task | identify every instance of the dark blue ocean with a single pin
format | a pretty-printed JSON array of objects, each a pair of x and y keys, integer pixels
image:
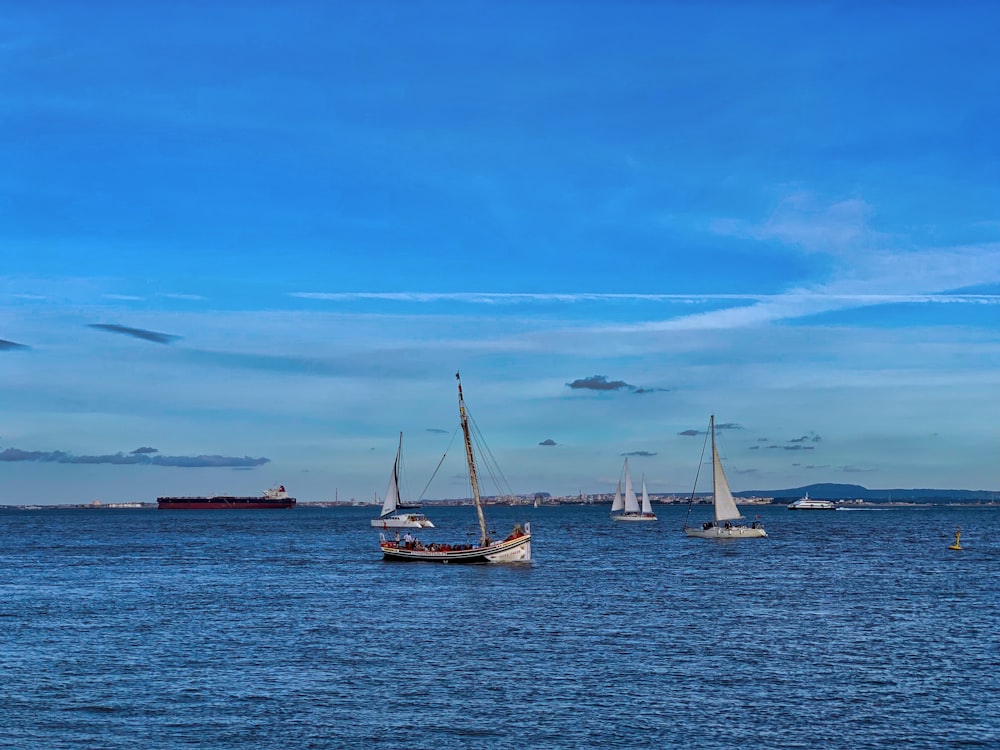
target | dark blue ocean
[{"x": 285, "y": 629}]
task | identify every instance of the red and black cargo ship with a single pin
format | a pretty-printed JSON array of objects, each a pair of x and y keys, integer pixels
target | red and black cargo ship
[{"x": 273, "y": 498}]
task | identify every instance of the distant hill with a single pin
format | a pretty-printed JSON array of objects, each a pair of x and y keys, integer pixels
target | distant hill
[{"x": 830, "y": 491}]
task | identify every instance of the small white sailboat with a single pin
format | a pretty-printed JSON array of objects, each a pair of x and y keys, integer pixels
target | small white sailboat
[
  {"x": 725, "y": 510},
  {"x": 390, "y": 518},
  {"x": 628, "y": 507},
  {"x": 515, "y": 548}
]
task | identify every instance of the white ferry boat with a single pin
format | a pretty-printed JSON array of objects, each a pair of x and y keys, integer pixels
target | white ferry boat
[{"x": 808, "y": 503}]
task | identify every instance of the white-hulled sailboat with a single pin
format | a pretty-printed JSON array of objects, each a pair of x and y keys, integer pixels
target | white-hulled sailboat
[
  {"x": 515, "y": 548},
  {"x": 721, "y": 527},
  {"x": 390, "y": 518},
  {"x": 628, "y": 507}
]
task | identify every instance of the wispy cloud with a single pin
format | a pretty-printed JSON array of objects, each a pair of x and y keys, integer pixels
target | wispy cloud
[
  {"x": 504, "y": 298},
  {"x": 802, "y": 303},
  {"x": 867, "y": 267},
  {"x": 793, "y": 444},
  {"x": 802, "y": 220},
  {"x": 875, "y": 278},
  {"x": 854, "y": 469},
  {"x": 495, "y": 298},
  {"x": 139, "y": 333},
  {"x": 183, "y": 297},
  {"x": 719, "y": 427}
]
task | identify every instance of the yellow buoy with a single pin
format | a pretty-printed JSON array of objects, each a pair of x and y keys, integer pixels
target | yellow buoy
[{"x": 956, "y": 545}]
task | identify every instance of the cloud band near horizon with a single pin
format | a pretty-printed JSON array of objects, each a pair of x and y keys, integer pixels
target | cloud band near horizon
[{"x": 131, "y": 459}]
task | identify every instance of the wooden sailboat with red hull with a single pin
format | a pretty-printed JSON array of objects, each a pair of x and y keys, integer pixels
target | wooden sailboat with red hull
[{"x": 515, "y": 548}]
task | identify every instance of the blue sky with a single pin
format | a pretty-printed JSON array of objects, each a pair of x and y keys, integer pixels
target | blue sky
[{"x": 250, "y": 244}]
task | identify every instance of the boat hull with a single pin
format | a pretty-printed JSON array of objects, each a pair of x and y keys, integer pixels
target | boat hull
[
  {"x": 721, "y": 532},
  {"x": 633, "y": 517},
  {"x": 507, "y": 551},
  {"x": 408, "y": 521},
  {"x": 223, "y": 502}
]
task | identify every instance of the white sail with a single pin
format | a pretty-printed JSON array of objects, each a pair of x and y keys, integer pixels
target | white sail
[
  {"x": 631, "y": 503},
  {"x": 619, "y": 503},
  {"x": 646, "y": 506},
  {"x": 392, "y": 491},
  {"x": 725, "y": 505}
]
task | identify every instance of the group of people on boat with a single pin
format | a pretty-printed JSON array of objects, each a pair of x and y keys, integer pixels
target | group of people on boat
[
  {"x": 708, "y": 524},
  {"x": 416, "y": 544},
  {"x": 517, "y": 533},
  {"x": 411, "y": 542}
]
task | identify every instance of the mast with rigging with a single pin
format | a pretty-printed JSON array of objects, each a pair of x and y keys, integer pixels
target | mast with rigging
[{"x": 470, "y": 458}]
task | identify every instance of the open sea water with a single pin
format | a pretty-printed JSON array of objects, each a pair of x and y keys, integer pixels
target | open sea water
[{"x": 285, "y": 629}]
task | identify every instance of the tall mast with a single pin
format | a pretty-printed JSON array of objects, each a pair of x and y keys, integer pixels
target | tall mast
[
  {"x": 470, "y": 459},
  {"x": 711, "y": 429}
]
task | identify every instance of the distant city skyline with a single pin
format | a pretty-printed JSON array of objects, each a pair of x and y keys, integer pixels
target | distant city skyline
[{"x": 249, "y": 246}]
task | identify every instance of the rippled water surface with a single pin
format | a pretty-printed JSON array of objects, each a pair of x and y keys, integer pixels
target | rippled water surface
[{"x": 285, "y": 629}]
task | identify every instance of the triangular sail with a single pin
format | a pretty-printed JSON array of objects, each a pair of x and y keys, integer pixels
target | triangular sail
[
  {"x": 647, "y": 508},
  {"x": 484, "y": 538},
  {"x": 619, "y": 502},
  {"x": 631, "y": 503},
  {"x": 725, "y": 505},
  {"x": 392, "y": 491}
]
